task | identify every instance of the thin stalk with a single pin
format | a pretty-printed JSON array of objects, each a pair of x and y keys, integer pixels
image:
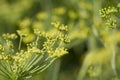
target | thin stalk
[
  {"x": 38, "y": 67},
  {"x": 29, "y": 62},
  {"x": 47, "y": 65},
  {"x": 42, "y": 68},
  {"x": 113, "y": 63},
  {"x": 20, "y": 43},
  {"x": 54, "y": 68},
  {"x": 35, "y": 62}
]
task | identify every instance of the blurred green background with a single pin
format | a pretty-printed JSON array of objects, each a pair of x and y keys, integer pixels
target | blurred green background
[{"x": 82, "y": 17}]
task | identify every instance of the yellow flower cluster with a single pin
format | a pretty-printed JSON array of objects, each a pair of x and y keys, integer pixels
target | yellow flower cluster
[
  {"x": 26, "y": 61},
  {"x": 54, "y": 40},
  {"x": 60, "y": 27},
  {"x": 106, "y": 12},
  {"x": 9, "y": 36},
  {"x": 107, "y": 15},
  {"x": 63, "y": 29},
  {"x": 59, "y": 52}
]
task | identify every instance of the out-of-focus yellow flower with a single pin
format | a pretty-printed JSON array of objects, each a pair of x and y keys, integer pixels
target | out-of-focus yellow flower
[
  {"x": 112, "y": 39},
  {"x": 29, "y": 38},
  {"x": 94, "y": 72},
  {"x": 38, "y": 25},
  {"x": 83, "y": 14},
  {"x": 72, "y": 14},
  {"x": 59, "y": 10},
  {"x": 85, "y": 5},
  {"x": 42, "y": 15},
  {"x": 25, "y": 23},
  {"x": 56, "y": 18}
]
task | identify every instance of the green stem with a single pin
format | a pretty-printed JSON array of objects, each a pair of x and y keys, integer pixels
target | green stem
[
  {"x": 54, "y": 68},
  {"x": 20, "y": 43},
  {"x": 92, "y": 43},
  {"x": 113, "y": 64}
]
